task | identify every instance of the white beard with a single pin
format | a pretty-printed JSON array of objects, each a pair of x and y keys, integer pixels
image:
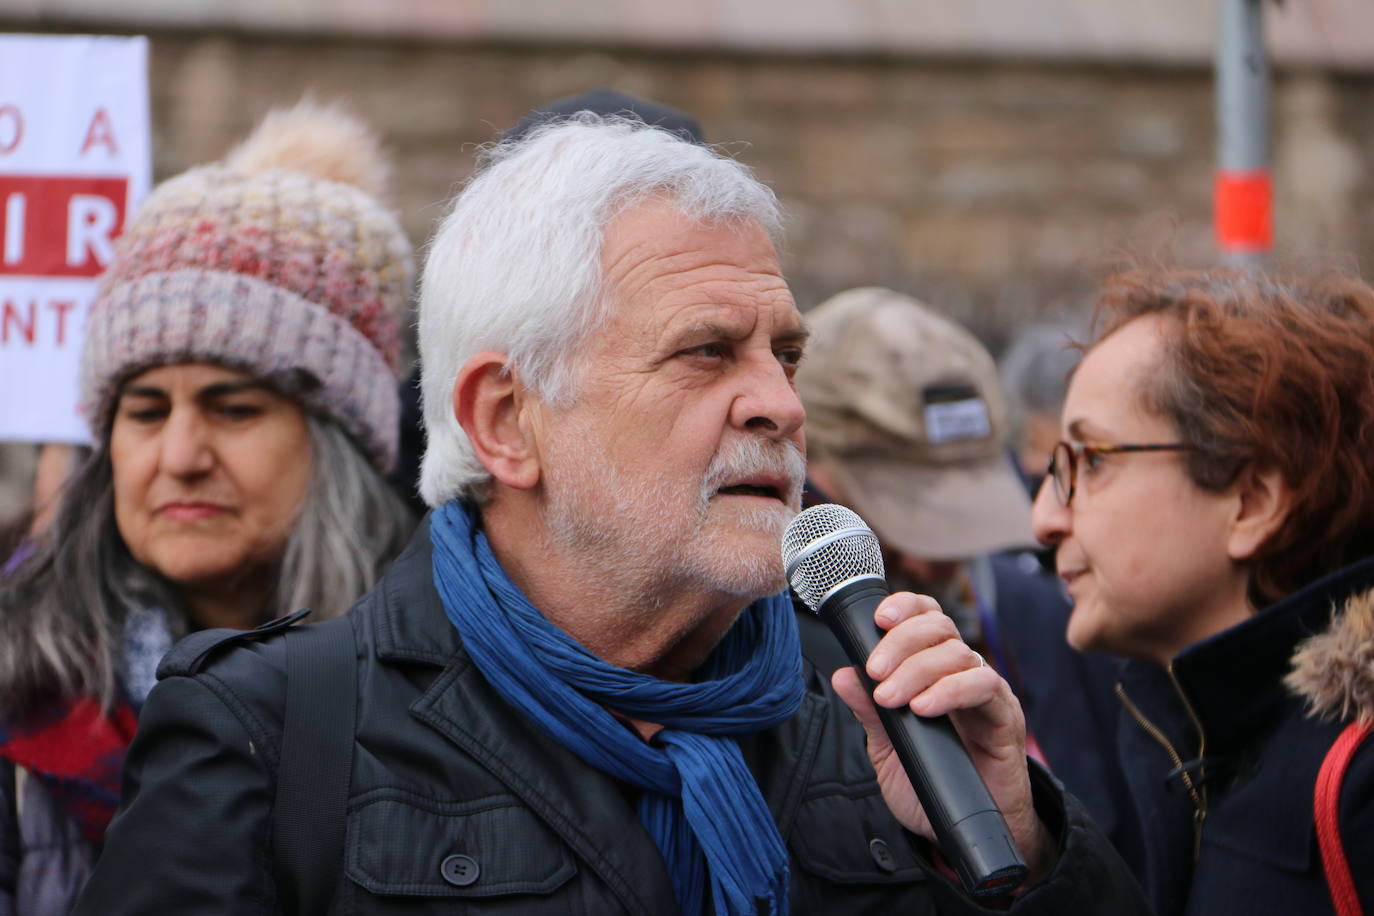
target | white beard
[{"x": 655, "y": 530}]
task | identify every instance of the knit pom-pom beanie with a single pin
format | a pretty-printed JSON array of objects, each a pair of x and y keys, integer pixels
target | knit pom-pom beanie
[{"x": 280, "y": 261}]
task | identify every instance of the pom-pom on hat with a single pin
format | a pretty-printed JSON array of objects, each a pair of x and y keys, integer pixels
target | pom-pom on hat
[{"x": 280, "y": 261}]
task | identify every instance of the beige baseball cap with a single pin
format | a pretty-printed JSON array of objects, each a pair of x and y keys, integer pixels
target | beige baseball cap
[{"x": 906, "y": 409}]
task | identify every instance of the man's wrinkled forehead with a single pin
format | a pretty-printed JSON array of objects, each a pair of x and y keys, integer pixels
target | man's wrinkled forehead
[{"x": 655, "y": 247}]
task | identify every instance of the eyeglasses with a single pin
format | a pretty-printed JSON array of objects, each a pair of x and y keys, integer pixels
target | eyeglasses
[{"x": 1063, "y": 469}]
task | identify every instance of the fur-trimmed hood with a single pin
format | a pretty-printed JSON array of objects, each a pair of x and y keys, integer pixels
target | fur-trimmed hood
[{"x": 1334, "y": 671}]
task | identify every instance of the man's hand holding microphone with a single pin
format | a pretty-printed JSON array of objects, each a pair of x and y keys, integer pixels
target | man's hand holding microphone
[{"x": 946, "y": 736}]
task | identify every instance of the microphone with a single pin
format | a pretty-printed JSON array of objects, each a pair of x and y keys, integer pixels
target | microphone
[{"x": 835, "y": 566}]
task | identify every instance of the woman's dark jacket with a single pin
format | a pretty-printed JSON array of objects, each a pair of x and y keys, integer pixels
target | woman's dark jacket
[
  {"x": 44, "y": 858},
  {"x": 1241, "y": 839},
  {"x": 443, "y": 766}
]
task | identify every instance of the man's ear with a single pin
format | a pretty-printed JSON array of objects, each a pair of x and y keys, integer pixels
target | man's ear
[
  {"x": 1263, "y": 502},
  {"x": 487, "y": 402}
]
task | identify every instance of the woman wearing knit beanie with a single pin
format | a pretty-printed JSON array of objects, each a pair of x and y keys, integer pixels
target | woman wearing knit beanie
[{"x": 239, "y": 378}]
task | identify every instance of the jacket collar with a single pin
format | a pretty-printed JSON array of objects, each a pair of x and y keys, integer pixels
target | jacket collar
[
  {"x": 409, "y": 623},
  {"x": 1235, "y": 683},
  {"x": 1234, "y": 679},
  {"x": 1334, "y": 671}
]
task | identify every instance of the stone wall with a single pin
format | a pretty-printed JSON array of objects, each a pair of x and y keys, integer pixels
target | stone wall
[{"x": 997, "y": 191}]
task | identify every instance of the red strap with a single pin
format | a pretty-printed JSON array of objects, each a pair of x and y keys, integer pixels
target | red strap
[{"x": 1327, "y": 810}]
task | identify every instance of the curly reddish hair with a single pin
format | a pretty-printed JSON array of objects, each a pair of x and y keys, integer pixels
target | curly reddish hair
[{"x": 1273, "y": 374}]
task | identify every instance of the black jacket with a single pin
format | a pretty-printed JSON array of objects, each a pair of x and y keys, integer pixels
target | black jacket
[
  {"x": 1242, "y": 840},
  {"x": 442, "y": 766}
]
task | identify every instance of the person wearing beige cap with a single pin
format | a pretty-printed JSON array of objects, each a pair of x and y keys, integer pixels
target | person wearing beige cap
[
  {"x": 907, "y": 397},
  {"x": 906, "y": 424}
]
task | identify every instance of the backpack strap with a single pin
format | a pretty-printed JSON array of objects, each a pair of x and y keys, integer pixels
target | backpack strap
[
  {"x": 1327, "y": 813},
  {"x": 316, "y": 764},
  {"x": 191, "y": 653}
]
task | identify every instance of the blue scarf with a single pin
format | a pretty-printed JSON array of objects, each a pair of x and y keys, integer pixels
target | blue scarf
[{"x": 700, "y": 803}]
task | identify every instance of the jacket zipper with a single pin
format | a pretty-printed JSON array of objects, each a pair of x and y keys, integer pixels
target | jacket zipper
[{"x": 1197, "y": 792}]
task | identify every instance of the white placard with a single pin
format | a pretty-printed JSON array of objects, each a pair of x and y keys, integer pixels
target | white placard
[{"x": 75, "y": 162}]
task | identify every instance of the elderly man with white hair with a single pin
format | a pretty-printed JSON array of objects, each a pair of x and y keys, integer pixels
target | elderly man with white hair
[{"x": 580, "y": 690}]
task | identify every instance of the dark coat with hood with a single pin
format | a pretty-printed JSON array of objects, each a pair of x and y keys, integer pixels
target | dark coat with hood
[
  {"x": 1222, "y": 750},
  {"x": 442, "y": 764}
]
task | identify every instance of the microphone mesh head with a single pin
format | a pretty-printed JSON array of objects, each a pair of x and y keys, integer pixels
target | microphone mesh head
[{"x": 825, "y": 546}]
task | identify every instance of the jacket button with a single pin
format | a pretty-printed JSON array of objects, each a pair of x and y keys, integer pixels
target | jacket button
[
  {"x": 460, "y": 871},
  {"x": 882, "y": 855}
]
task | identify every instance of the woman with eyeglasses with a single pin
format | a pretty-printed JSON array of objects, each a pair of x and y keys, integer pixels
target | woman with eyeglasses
[{"x": 1212, "y": 510}]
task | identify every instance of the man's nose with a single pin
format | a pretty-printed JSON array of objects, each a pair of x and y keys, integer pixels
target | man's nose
[
  {"x": 768, "y": 402},
  {"x": 1051, "y": 521},
  {"x": 186, "y": 449}
]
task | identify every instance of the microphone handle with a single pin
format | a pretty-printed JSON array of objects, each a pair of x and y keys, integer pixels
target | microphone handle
[{"x": 970, "y": 828}]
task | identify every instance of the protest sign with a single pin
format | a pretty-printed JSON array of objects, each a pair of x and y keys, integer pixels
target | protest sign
[{"x": 74, "y": 163}]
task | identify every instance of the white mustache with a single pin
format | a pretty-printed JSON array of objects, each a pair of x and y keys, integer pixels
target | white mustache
[{"x": 750, "y": 456}]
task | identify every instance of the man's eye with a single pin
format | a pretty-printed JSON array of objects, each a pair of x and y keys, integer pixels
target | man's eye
[
  {"x": 1092, "y": 459},
  {"x": 790, "y": 357},
  {"x": 706, "y": 351}
]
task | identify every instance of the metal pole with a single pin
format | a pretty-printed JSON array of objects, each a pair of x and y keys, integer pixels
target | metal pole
[{"x": 1243, "y": 209}]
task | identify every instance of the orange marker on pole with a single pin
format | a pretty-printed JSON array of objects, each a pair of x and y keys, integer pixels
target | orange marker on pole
[
  {"x": 1243, "y": 202},
  {"x": 1243, "y": 212}
]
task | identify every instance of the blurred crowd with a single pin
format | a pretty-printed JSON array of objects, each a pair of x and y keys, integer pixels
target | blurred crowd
[{"x": 1142, "y": 541}]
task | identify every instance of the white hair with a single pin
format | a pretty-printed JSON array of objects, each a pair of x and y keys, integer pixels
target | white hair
[{"x": 515, "y": 267}]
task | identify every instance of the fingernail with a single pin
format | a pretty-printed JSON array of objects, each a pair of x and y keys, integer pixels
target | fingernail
[
  {"x": 883, "y": 695},
  {"x": 886, "y": 616},
  {"x": 877, "y": 666}
]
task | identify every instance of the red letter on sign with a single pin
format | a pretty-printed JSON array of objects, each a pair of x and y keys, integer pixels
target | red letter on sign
[
  {"x": 11, "y": 128},
  {"x": 61, "y": 307},
  {"x": 12, "y": 314},
  {"x": 100, "y": 131}
]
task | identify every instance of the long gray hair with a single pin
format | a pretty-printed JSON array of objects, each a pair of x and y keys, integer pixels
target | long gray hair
[{"x": 62, "y": 612}]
